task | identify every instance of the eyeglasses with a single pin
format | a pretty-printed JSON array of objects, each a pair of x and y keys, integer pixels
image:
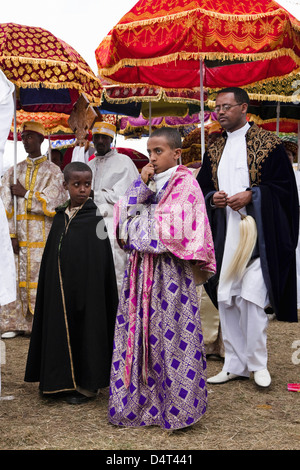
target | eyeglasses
[{"x": 226, "y": 107}]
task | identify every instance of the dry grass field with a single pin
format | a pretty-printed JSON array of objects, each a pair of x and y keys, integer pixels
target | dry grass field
[{"x": 239, "y": 415}]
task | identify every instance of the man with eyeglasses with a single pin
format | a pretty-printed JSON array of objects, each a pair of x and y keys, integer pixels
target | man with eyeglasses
[{"x": 247, "y": 171}]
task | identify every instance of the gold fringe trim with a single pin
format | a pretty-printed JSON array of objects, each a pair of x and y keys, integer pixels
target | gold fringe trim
[
  {"x": 292, "y": 98},
  {"x": 94, "y": 101},
  {"x": 50, "y": 63},
  {"x": 247, "y": 57},
  {"x": 132, "y": 129},
  {"x": 212, "y": 14},
  {"x": 162, "y": 95},
  {"x": 258, "y": 120},
  {"x": 53, "y": 130},
  {"x": 132, "y": 98},
  {"x": 261, "y": 97},
  {"x": 44, "y": 205},
  {"x": 281, "y": 98}
]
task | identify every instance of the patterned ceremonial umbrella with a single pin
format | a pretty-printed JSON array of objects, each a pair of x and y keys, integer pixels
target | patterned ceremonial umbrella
[
  {"x": 48, "y": 74},
  {"x": 34, "y": 60},
  {"x": 140, "y": 127},
  {"x": 53, "y": 123},
  {"x": 150, "y": 101},
  {"x": 162, "y": 43}
]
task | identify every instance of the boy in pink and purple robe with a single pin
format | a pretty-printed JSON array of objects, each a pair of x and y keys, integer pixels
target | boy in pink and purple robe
[{"x": 158, "y": 374}]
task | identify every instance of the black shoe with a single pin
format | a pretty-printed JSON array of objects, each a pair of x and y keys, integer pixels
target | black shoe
[{"x": 77, "y": 398}]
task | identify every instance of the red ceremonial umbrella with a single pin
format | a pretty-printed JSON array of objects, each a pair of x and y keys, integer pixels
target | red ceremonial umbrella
[
  {"x": 183, "y": 44},
  {"x": 162, "y": 43}
]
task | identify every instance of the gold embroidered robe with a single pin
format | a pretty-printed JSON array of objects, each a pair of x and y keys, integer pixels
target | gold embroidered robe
[{"x": 44, "y": 181}]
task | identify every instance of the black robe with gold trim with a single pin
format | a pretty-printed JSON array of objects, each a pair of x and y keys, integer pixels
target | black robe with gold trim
[
  {"x": 275, "y": 208},
  {"x": 73, "y": 326}
]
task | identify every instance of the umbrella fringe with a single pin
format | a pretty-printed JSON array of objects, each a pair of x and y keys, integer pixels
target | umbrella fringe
[
  {"x": 212, "y": 14},
  {"x": 94, "y": 101},
  {"x": 17, "y": 61},
  {"x": 149, "y": 61},
  {"x": 248, "y": 237}
]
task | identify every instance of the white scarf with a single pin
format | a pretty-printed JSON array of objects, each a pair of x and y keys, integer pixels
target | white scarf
[{"x": 161, "y": 178}]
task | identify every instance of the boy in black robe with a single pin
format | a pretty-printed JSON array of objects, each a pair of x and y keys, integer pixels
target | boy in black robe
[{"x": 71, "y": 342}]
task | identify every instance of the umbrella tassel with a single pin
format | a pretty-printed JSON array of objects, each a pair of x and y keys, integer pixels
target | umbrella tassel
[{"x": 248, "y": 237}]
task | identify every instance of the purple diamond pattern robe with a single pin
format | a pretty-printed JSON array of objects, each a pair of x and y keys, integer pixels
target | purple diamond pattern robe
[{"x": 158, "y": 366}]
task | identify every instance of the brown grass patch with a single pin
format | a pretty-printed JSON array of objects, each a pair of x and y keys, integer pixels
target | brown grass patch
[{"x": 239, "y": 415}]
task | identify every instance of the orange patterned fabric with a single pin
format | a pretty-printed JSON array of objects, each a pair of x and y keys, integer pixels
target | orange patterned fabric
[
  {"x": 161, "y": 43},
  {"x": 52, "y": 122},
  {"x": 33, "y": 57}
]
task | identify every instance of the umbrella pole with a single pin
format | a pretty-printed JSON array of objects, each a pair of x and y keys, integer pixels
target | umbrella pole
[
  {"x": 277, "y": 117},
  {"x": 8, "y": 397},
  {"x": 298, "y": 145},
  {"x": 15, "y": 155},
  {"x": 150, "y": 118},
  {"x": 49, "y": 148},
  {"x": 202, "y": 110},
  {"x": 2, "y": 345}
]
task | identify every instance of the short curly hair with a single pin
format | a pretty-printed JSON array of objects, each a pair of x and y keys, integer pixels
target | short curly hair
[
  {"x": 75, "y": 166},
  {"x": 172, "y": 135}
]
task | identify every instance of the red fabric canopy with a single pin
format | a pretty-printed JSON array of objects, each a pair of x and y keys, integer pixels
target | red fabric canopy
[{"x": 162, "y": 43}]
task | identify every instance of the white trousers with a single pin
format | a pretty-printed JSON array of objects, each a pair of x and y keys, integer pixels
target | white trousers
[{"x": 244, "y": 331}]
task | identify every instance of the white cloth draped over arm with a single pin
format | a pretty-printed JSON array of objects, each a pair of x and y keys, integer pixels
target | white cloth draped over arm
[
  {"x": 7, "y": 262},
  {"x": 113, "y": 174}
]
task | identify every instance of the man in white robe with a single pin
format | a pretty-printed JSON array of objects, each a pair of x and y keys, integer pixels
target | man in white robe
[
  {"x": 246, "y": 170},
  {"x": 38, "y": 190},
  {"x": 240, "y": 306},
  {"x": 113, "y": 173}
]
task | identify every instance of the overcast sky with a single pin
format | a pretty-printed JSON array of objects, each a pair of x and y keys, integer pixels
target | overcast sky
[{"x": 81, "y": 23}]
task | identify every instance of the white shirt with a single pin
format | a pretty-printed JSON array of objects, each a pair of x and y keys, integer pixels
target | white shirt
[{"x": 233, "y": 177}]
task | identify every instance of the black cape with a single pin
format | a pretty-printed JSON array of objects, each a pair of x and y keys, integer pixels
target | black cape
[
  {"x": 72, "y": 337},
  {"x": 275, "y": 207}
]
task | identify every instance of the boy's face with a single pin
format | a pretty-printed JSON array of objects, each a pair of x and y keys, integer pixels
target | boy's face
[
  {"x": 161, "y": 155},
  {"x": 79, "y": 187}
]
